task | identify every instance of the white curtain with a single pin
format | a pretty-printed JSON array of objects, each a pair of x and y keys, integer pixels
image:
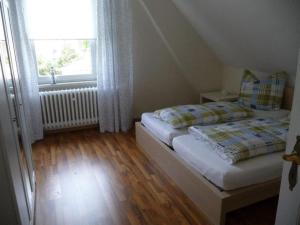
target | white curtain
[
  {"x": 28, "y": 72},
  {"x": 114, "y": 65}
]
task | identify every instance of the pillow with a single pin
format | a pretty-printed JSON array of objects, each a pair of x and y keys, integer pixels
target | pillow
[
  {"x": 264, "y": 94},
  {"x": 274, "y": 114},
  {"x": 206, "y": 114}
]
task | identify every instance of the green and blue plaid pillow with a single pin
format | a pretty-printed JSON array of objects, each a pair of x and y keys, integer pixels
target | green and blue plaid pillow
[
  {"x": 263, "y": 94},
  {"x": 205, "y": 114}
]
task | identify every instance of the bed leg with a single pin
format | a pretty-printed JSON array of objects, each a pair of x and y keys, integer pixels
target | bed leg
[
  {"x": 222, "y": 218},
  {"x": 218, "y": 217}
]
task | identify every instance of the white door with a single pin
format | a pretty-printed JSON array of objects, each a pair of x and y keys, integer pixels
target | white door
[{"x": 288, "y": 212}]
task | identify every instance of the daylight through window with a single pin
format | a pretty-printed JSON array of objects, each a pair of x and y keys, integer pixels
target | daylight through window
[{"x": 63, "y": 39}]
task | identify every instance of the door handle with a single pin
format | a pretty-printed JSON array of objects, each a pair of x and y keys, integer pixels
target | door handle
[{"x": 294, "y": 158}]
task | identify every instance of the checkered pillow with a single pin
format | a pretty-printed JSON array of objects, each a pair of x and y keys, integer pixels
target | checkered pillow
[
  {"x": 265, "y": 94},
  {"x": 208, "y": 113}
]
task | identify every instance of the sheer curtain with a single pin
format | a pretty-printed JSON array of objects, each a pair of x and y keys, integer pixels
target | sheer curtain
[
  {"x": 28, "y": 72},
  {"x": 114, "y": 64}
]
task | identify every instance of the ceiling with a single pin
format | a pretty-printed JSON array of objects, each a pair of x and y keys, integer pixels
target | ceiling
[{"x": 261, "y": 35}]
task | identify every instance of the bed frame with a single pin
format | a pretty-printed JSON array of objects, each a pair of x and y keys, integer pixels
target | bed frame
[{"x": 211, "y": 201}]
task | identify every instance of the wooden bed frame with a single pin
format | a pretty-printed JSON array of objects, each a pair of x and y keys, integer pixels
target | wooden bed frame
[{"x": 211, "y": 201}]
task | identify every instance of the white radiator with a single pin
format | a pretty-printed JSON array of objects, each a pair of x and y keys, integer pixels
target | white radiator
[{"x": 69, "y": 108}]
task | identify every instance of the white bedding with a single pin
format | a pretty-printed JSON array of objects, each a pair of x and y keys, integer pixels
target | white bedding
[
  {"x": 160, "y": 129},
  {"x": 203, "y": 159}
]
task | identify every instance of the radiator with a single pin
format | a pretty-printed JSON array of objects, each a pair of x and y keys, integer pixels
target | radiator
[{"x": 69, "y": 108}]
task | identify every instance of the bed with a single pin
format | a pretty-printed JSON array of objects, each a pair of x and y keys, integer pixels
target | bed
[{"x": 213, "y": 196}]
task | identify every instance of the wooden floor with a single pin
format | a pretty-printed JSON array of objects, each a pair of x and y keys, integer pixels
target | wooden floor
[{"x": 88, "y": 178}]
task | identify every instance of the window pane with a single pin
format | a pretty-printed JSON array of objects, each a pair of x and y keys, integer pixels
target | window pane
[
  {"x": 64, "y": 57},
  {"x": 60, "y": 19}
]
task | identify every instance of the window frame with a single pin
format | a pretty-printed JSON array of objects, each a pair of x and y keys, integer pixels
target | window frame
[{"x": 60, "y": 79}]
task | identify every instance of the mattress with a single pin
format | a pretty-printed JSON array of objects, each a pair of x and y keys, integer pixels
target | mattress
[
  {"x": 160, "y": 129},
  {"x": 203, "y": 159}
]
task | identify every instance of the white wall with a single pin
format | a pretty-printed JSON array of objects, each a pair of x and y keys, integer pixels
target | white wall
[
  {"x": 262, "y": 35},
  {"x": 172, "y": 63},
  {"x": 158, "y": 82}
]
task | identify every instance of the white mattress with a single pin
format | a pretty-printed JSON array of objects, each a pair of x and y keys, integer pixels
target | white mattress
[
  {"x": 204, "y": 160},
  {"x": 160, "y": 129}
]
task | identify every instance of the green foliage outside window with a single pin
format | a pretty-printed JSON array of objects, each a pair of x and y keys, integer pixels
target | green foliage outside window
[{"x": 67, "y": 56}]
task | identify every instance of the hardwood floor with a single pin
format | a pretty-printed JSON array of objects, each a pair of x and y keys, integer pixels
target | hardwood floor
[{"x": 88, "y": 178}]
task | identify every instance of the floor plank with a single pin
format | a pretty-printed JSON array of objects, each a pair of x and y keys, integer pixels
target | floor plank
[{"x": 88, "y": 178}]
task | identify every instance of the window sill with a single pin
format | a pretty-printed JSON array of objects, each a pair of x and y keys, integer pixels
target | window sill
[{"x": 67, "y": 85}]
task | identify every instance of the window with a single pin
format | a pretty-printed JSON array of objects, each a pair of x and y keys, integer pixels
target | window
[
  {"x": 68, "y": 60},
  {"x": 63, "y": 39}
]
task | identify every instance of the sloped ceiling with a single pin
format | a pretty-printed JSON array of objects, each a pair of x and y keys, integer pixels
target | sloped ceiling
[{"x": 258, "y": 34}]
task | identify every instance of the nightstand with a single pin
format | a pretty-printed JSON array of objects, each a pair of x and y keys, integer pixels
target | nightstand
[{"x": 217, "y": 96}]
